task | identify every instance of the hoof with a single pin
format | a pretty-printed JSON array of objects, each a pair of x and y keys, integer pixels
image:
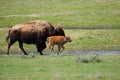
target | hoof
[
  {"x": 25, "y": 54},
  {"x": 41, "y": 53},
  {"x": 7, "y": 53}
]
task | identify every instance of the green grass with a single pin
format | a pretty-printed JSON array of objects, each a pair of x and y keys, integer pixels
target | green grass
[
  {"x": 68, "y": 13},
  {"x": 101, "y": 18},
  {"x": 58, "y": 68},
  {"x": 94, "y": 39}
]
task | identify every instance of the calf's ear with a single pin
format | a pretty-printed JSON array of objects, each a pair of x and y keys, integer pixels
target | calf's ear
[{"x": 65, "y": 39}]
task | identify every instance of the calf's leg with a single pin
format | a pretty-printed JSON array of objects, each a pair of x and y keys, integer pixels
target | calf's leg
[
  {"x": 52, "y": 48},
  {"x": 62, "y": 49},
  {"x": 59, "y": 49}
]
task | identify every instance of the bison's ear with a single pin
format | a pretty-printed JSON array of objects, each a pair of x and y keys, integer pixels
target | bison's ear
[
  {"x": 44, "y": 30},
  {"x": 58, "y": 27},
  {"x": 58, "y": 30}
]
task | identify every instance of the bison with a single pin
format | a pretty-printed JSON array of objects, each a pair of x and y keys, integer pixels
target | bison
[
  {"x": 58, "y": 40},
  {"x": 33, "y": 32}
]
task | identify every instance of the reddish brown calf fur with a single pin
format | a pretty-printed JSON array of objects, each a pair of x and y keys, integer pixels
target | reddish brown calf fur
[{"x": 58, "y": 40}]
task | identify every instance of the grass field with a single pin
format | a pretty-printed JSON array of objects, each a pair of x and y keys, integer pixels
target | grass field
[
  {"x": 58, "y": 68},
  {"x": 68, "y": 13},
  {"x": 91, "y": 24}
]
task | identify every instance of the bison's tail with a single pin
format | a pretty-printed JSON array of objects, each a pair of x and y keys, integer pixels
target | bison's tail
[{"x": 8, "y": 36}]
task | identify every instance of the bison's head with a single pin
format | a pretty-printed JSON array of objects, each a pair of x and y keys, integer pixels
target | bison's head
[
  {"x": 59, "y": 31},
  {"x": 47, "y": 30},
  {"x": 52, "y": 31}
]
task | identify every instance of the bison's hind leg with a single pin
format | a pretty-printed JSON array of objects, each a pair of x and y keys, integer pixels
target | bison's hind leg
[
  {"x": 9, "y": 45},
  {"x": 21, "y": 47}
]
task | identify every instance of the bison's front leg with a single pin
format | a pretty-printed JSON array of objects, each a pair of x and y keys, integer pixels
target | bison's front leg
[{"x": 40, "y": 47}]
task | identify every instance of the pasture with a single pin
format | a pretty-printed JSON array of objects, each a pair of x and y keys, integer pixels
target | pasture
[
  {"x": 58, "y": 68},
  {"x": 68, "y": 13},
  {"x": 93, "y": 25}
]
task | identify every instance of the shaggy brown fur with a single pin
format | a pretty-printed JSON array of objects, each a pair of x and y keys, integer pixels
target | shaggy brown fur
[
  {"x": 58, "y": 40},
  {"x": 34, "y": 32},
  {"x": 59, "y": 31}
]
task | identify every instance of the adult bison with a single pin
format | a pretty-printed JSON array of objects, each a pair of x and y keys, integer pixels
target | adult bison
[{"x": 34, "y": 32}]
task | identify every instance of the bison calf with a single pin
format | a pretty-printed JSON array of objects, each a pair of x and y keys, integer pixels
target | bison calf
[{"x": 58, "y": 40}]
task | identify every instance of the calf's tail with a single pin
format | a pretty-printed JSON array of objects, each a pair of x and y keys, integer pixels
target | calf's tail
[{"x": 47, "y": 40}]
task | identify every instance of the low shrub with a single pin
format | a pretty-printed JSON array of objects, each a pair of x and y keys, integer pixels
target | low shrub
[{"x": 89, "y": 58}]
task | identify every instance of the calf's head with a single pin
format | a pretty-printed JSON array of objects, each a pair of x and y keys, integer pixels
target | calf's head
[{"x": 67, "y": 39}]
